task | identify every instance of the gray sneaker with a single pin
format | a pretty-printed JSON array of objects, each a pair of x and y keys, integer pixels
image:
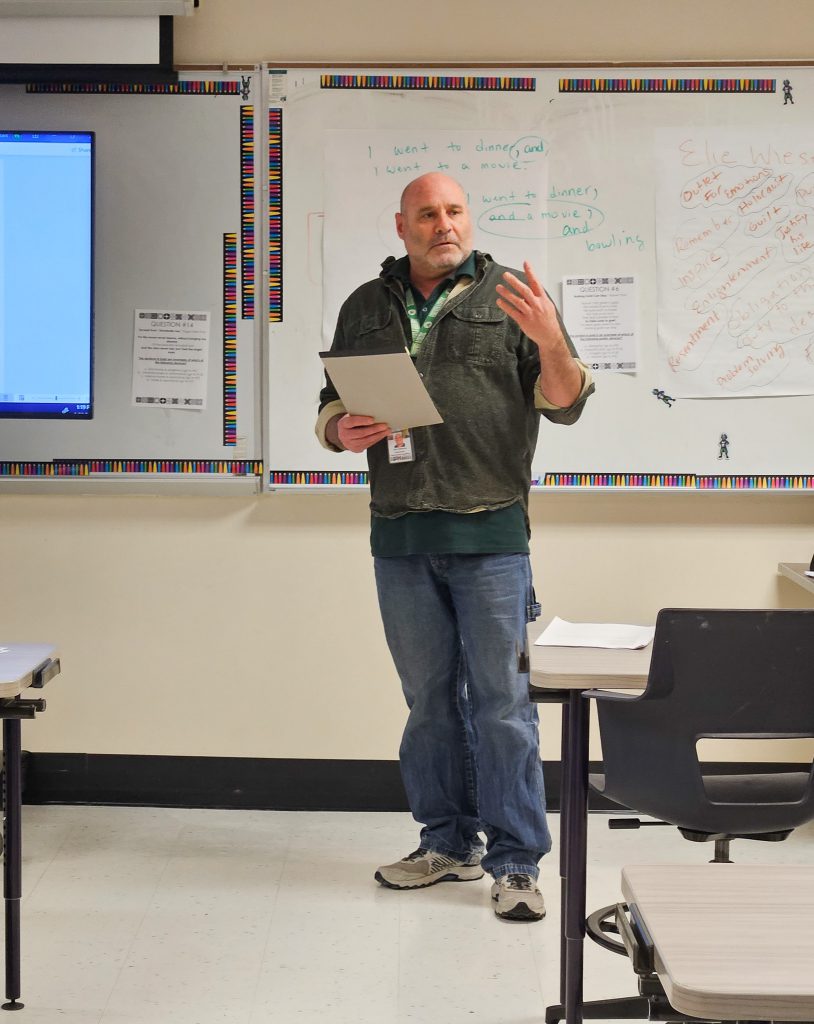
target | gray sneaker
[
  {"x": 425, "y": 867},
  {"x": 517, "y": 898}
]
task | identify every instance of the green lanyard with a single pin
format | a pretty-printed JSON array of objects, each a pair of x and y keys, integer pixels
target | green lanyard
[{"x": 419, "y": 330}]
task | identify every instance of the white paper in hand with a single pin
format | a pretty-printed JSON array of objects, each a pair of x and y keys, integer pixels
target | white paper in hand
[{"x": 384, "y": 385}]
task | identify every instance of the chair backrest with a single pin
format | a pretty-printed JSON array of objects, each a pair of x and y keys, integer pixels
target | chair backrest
[{"x": 713, "y": 673}]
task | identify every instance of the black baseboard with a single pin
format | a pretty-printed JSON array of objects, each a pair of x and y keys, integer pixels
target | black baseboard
[{"x": 279, "y": 784}]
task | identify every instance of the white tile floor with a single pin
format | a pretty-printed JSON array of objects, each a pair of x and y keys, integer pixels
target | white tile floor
[{"x": 140, "y": 916}]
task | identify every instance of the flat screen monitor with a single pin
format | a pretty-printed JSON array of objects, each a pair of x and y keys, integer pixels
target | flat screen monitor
[{"x": 46, "y": 274}]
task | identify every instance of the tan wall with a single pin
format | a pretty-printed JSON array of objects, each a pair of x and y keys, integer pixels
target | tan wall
[
  {"x": 248, "y": 626},
  {"x": 481, "y": 30}
]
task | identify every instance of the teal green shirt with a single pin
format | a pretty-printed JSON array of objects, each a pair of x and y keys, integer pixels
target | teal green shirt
[
  {"x": 401, "y": 270},
  {"x": 499, "y": 532}
]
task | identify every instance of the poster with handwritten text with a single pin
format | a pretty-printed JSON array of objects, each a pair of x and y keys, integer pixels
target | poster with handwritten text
[
  {"x": 735, "y": 230},
  {"x": 503, "y": 172}
]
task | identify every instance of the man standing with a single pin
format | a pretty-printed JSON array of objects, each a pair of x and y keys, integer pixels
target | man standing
[{"x": 449, "y": 535}]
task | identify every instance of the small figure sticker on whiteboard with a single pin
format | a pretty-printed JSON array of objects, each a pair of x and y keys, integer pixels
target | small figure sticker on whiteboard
[
  {"x": 723, "y": 447},
  {"x": 664, "y": 397},
  {"x": 170, "y": 358}
]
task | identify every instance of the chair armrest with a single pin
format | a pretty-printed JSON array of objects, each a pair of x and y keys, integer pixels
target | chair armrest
[{"x": 617, "y": 695}]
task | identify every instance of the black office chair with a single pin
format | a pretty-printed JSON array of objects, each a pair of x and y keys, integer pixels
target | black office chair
[{"x": 736, "y": 674}]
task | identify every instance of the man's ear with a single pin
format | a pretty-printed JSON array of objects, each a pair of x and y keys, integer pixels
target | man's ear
[{"x": 399, "y": 225}]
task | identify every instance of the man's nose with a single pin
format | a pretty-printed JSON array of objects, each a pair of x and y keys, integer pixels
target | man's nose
[{"x": 444, "y": 225}]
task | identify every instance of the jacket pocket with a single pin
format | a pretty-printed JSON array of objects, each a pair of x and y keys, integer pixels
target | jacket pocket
[
  {"x": 377, "y": 329},
  {"x": 477, "y": 335},
  {"x": 375, "y": 321}
]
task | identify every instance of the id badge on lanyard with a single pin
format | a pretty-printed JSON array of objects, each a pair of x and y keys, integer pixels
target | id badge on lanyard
[
  {"x": 400, "y": 446},
  {"x": 400, "y": 442}
]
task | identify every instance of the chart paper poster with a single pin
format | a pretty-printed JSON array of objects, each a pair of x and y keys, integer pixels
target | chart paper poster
[
  {"x": 601, "y": 315},
  {"x": 170, "y": 358},
  {"x": 735, "y": 230},
  {"x": 504, "y": 174}
]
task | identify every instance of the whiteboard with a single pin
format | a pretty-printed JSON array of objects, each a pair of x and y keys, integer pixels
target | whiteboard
[
  {"x": 168, "y": 189},
  {"x": 598, "y": 162}
]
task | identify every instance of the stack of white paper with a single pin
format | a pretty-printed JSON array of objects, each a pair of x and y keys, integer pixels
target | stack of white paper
[{"x": 560, "y": 633}]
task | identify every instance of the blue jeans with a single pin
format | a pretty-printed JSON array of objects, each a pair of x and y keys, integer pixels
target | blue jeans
[{"x": 470, "y": 759}]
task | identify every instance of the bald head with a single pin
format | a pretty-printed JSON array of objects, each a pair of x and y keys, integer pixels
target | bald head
[
  {"x": 427, "y": 183},
  {"x": 434, "y": 225}
]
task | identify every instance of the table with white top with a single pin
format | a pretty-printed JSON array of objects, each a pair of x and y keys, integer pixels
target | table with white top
[
  {"x": 562, "y": 675},
  {"x": 796, "y": 572},
  {"x": 21, "y": 666},
  {"x": 728, "y": 941}
]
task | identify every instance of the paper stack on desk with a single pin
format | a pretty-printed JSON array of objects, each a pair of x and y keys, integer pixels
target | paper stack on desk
[{"x": 560, "y": 633}]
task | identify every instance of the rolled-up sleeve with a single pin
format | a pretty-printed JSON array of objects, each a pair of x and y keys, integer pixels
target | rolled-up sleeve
[
  {"x": 327, "y": 413},
  {"x": 572, "y": 412}
]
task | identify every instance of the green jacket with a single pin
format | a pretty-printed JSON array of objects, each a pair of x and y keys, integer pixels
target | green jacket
[{"x": 480, "y": 370}]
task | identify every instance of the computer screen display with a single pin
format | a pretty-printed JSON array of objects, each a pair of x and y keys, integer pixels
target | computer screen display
[{"x": 46, "y": 274}]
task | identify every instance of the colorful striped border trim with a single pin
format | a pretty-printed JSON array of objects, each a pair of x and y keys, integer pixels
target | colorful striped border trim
[
  {"x": 16, "y": 469},
  {"x": 759, "y": 483},
  {"x": 203, "y": 87},
  {"x": 317, "y": 478},
  {"x": 748, "y": 85},
  {"x": 87, "y": 467},
  {"x": 230, "y": 339},
  {"x": 448, "y": 83},
  {"x": 608, "y": 481},
  {"x": 684, "y": 481},
  {"x": 247, "y": 210},
  {"x": 275, "y": 225}
]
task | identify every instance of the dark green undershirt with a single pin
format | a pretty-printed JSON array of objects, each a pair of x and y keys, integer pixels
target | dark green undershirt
[
  {"x": 401, "y": 270},
  {"x": 499, "y": 532}
]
